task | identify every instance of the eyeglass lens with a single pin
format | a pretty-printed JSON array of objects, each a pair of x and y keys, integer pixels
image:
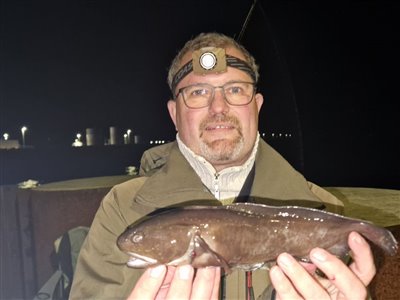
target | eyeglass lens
[{"x": 235, "y": 93}]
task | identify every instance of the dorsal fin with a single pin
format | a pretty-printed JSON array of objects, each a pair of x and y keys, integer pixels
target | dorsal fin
[{"x": 248, "y": 208}]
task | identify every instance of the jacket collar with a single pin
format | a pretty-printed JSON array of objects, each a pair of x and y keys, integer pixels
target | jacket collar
[
  {"x": 176, "y": 182},
  {"x": 173, "y": 183}
]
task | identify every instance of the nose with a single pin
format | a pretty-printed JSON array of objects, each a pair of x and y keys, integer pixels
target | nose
[{"x": 218, "y": 102}]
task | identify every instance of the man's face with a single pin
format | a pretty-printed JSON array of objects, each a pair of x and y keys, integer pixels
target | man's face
[{"x": 221, "y": 133}]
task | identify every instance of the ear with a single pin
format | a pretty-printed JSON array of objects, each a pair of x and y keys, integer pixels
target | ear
[
  {"x": 172, "y": 111},
  {"x": 259, "y": 101}
]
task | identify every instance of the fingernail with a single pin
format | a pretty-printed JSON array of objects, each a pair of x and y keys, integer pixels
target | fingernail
[
  {"x": 357, "y": 239},
  {"x": 157, "y": 271},
  {"x": 277, "y": 273},
  {"x": 285, "y": 260},
  {"x": 319, "y": 254},
  {"x": 184, "y": 272}
]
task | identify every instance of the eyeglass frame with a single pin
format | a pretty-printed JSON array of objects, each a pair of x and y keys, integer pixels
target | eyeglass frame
[{"x": 180, "y": 91}]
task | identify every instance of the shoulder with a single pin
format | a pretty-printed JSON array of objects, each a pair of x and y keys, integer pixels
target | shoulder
[
  {"x": 128, "y": 188},
  {"x": 120, "y": 199},
  {"x": 154, "y": 158},
  {"x": 333, "y": 204},
  {"x": 285, "y": 182}
]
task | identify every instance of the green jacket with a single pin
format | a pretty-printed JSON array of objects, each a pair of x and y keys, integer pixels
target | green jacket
[{"x": 168, "y": 179}]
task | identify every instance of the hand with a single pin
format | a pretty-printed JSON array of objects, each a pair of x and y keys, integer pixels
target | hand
[
  {"x": 181, "y": 282},
  {"x": 292, "y": 281}
]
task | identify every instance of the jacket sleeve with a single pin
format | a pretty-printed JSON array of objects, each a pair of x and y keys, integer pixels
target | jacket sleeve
[{"x": 101, "y": 271}]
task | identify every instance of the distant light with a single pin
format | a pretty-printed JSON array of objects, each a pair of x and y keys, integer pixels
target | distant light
[
  {"x": 77, "y": 143},
  {"x": 151, "y": 142},
  {"x": 23, "y": 130},
  {"x": 6, "y": 136},
  {"x": 128, "y": 136},
  {"x": 78, "y": 136}
]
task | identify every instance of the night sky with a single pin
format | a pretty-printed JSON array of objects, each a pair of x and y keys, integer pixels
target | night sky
[
  {"x": 329, "y": 71},
  {"x": 69, "y": 65}
]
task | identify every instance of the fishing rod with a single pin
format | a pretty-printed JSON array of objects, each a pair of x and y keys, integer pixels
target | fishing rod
[
  {"x": 249, "y": 274},
  {"x": 246, "y": 21}
]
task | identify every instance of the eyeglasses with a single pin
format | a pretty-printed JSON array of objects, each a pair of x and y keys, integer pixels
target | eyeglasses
[{"x": 200, "y": 95}]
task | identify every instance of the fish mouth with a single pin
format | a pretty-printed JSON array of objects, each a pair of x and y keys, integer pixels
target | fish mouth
[{"x": 140, "y": 261}]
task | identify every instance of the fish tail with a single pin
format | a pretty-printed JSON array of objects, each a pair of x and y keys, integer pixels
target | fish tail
[{"x": 381, "y": 237}]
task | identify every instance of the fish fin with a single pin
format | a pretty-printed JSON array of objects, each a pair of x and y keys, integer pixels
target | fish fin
[
  {"x": 247, "y": 207},
  {"x": 204, "y": 256},
  {"x": 339, "y": 249},
  {"x": 251, "y": 208}
]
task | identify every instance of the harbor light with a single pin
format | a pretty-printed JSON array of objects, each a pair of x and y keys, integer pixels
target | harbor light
[
  {"x": 128, "y": 136},
  {"x": 23, "y": 130}
]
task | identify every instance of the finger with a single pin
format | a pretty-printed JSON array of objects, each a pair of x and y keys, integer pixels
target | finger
[
  {"x": 283, "y": 287},
  {"x": 215, "y": 294},
  {"x": 206, "y": 283},
  {"x": 166, "y": 284},
  {"x": 181, "y": 284},
  {"x": 149, "y": 284},
  {"x": 339, "y": 274},
  {"x": 363, "y": 265},
  {"x": 301, "y": 280}
]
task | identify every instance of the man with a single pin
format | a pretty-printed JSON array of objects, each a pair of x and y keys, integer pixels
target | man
[{"x": 217, "y": 156}]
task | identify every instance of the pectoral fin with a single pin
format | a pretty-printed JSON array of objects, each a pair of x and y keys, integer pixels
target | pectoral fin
[{"x": 203, "y": 255}]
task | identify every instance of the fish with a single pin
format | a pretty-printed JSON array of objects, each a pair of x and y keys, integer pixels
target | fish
[{"x": 245, "y": 236}]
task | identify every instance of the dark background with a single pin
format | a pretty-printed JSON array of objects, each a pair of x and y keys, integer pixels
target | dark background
[{"x": 329, "y": 76}]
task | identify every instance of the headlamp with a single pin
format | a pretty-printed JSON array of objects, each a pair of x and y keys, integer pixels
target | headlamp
[
  {"x": 208, "y": 60},
  {"x": 211, "y": 60}
]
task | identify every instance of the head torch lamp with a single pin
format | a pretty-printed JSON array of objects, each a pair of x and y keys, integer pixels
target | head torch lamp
[
  {"x": 211, "y": 60},
  {"x": 208, "y": 60}
]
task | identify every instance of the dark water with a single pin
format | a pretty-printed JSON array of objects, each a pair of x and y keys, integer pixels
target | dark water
[
  {"x": 64, "y": 163},
  {"x": 329, "y": 164}
]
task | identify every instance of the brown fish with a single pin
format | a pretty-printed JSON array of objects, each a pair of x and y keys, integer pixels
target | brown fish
[{"x": 243, "y": 235}]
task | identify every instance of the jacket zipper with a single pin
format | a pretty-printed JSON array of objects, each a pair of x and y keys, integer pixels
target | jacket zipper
[{"x": 216, "y": 186}]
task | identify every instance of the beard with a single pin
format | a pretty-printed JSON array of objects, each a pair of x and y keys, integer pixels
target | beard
[{"x": 224, "y": 149}]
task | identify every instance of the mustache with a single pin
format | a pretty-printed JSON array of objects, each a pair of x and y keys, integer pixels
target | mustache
[{"x": 231, "y": 120}]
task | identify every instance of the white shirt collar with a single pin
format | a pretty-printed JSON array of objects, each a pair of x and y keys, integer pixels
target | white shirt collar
[{"x": 224, "y": 184}]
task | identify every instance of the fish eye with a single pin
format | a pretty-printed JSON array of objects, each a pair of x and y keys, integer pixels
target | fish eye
[{"x": 137, "y": 238}]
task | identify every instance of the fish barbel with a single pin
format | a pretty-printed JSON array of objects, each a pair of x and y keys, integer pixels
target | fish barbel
[{"x": 243, "y": 235}]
